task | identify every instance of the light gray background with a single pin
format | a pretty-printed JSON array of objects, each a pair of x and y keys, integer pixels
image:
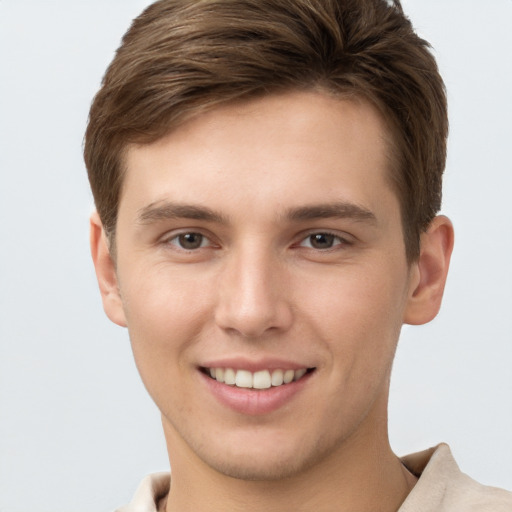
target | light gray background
[{"x": 77, "y": 431}]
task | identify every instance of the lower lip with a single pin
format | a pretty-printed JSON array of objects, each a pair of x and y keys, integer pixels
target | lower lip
[{"x": 254, "y": 402}]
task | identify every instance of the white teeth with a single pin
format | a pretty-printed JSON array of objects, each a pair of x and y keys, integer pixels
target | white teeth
[
  {"x": 263, "y": 379},
  {"x": 230, "y": 376},
  {"x": 288, "y": 376},
  {"x": 277, "y": 377},
  {"x": 299, "y": 374},
  {"x": 243, "y": 379},
  {"x": 219, "y": 374}
]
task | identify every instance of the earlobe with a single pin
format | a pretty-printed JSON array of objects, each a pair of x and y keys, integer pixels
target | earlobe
[
  {"x": 429, "y": 272},
  {"x": 105, "y": 272}
]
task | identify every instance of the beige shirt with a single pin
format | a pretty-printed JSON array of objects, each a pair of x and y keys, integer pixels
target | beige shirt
[{"x": 442, "y": 487}]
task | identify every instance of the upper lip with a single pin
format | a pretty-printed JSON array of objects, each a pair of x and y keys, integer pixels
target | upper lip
[{"x": 255, "y": 365}]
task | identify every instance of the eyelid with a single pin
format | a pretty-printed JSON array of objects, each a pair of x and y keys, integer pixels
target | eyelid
[
  {"x": 344, "y": 238},
  {"x": 205, "y": 242},
  {"x": 176, "y": 233}
]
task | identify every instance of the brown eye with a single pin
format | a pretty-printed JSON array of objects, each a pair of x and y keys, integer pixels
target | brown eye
[
  {"x": 322, "y": 240},
  {"x": 189, "y": 241}
]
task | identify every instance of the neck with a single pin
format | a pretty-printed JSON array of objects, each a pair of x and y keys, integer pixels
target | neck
[{"x": 362, "y": 475}]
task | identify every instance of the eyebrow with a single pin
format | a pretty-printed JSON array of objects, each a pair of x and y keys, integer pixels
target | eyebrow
[
  {"x": 164, "y": 210},
  {"x": 340, "y": 210}
]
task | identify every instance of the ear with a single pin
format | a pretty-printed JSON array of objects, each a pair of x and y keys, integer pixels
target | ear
[
  {"x": 106, "y": 272},
  {"x": 428, "y": 273}
]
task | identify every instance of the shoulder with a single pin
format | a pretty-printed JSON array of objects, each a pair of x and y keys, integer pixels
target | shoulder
[
  {"x": 443, "y": 487},
  {"x": 472, "y": 496},
  {"x": 151, "y": 490}
]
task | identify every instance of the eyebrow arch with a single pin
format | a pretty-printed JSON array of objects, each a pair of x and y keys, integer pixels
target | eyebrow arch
[
  {"x": 163, "y": 210},
  {"x": 341, "y": 210}
]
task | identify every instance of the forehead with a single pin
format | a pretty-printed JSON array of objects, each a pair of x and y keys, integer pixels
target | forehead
[{"x": 300, "y": 146}]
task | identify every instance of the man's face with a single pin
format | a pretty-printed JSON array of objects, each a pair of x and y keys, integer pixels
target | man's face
[{"x": 259, "y": 242}]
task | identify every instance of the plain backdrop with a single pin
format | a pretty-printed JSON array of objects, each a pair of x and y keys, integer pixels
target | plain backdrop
[{"x": 77, "y": 431}]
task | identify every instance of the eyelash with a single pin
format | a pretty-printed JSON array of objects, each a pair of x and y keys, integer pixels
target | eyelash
[
  {"x": 177, "y": 239},
  {"x": 341, "y": 241}
]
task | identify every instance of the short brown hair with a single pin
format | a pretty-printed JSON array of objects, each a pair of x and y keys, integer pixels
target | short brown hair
[{"x": 181, "y": 57}]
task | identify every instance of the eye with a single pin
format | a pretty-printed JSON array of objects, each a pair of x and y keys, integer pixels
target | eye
[
  {"x": 189, "y": 241},
  {"x": 322, "y": 241}
]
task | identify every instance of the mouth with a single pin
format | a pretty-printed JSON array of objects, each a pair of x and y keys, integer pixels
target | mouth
[{"x": 259, "y": 380}]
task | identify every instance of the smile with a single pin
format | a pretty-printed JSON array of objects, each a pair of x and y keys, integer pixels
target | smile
[{"x": 263, "y": 379}]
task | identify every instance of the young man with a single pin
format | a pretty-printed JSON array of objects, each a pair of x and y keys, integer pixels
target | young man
[{"x": 267, "y": 175}]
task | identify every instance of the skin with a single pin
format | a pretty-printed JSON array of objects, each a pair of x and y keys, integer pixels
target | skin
[{"x": 259, "y": 286}]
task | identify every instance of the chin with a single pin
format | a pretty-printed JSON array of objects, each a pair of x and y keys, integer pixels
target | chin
[
  {"x": 258, "y": 471},
  {"x": 266, "y": 465}
]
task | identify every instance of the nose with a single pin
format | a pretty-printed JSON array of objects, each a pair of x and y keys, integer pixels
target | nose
[{"x": 253, "y": 298}]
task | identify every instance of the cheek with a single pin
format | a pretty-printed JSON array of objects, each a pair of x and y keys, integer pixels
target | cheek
[
  {"x": 358, "y": 311},
  {"x": 354, "y": 317},
  {"x": 163, "y": 323},
  {"x": 165, "y": 313}
]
